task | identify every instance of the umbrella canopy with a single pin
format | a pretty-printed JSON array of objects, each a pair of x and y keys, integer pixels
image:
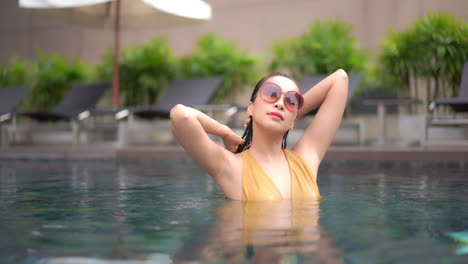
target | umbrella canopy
[
  {"x": 123, "y": 13},
  {"x": 134, "y": 13}
]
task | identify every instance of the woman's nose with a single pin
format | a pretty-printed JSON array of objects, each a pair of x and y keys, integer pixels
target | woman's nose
[{"x": 280, "y": 104}]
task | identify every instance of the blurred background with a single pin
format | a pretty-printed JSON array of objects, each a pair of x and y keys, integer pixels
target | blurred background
[
  {"x": 404, "y": 48},
  {"x": 252, "y": 24}
]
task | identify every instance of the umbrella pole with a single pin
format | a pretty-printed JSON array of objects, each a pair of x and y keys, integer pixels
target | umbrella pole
[{"x": 116, "y": 77}]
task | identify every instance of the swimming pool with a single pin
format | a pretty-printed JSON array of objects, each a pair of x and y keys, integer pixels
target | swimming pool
[{"x": 172, "y": 212}]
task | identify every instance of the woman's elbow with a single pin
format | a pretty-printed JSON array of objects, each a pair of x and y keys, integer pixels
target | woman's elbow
[
  {"x": 342, "y": 74},
  {"x": 178, "y": 112},
  {"x": 342, "y": 79}
]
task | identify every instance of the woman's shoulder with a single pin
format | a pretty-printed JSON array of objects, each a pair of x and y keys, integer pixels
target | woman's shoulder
[
  {"x": 295, "y": 156},
  {"x": 298, "y": 157},
  {"x": 294, "y": 153}
]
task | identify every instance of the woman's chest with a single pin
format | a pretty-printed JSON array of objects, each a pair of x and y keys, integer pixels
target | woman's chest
[{"x": 280, "y": 175}]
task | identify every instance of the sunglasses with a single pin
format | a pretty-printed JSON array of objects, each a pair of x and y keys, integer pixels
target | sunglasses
[{"x": 271, "y": 93}]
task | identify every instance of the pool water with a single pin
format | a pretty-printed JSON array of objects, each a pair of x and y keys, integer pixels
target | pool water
[{"x": 172, "y": 212}]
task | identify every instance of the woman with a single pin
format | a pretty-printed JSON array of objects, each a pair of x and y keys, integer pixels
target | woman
[{"x": 263, "y": 169}]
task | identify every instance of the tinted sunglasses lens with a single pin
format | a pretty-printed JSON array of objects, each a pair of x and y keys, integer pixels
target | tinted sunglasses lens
[
  {"x": 293, "y": 101},
  {"x": 270, "y": 92}
]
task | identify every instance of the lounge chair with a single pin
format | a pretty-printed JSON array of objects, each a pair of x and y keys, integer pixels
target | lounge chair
[
  {"x": 75, "y": 106},
  {"x": 195, "y": 92},
  {"x": 309, "y": 81},
  {"x": 10, "y": 98},
  {"x": 354, "y": 80},
  {"x": 382, "y": 100},
  {"x": 459, "y": 105}
]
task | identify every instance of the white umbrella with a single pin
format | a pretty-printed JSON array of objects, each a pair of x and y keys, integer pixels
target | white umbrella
[{"x": 104, "y": 13}]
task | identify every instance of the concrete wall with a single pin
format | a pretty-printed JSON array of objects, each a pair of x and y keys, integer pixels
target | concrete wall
[{"x": 252, "y": 24}]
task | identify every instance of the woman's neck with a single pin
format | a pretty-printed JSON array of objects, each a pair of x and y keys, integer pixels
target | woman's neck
[{"x": 267, "y": 146}]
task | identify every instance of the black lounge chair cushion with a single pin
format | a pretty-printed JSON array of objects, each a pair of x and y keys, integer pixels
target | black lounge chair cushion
[
  {"x": 44, "y": 116},
  {"x": 190, "y": 92},
  {"x": 458, "y": 104},
  {"x": 310, "y": 81},
  {"x": 81, "y": 97},
  {"x": 149, "y": 113},
  {"x": 10, "y": 97}
]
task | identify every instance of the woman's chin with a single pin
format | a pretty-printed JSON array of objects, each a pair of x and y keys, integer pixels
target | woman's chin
[{"x": 275, "y": 127}]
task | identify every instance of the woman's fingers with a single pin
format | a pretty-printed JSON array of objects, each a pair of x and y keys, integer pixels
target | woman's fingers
[
  {"x": 232, "y": 141},
  {"x": 240, "y": 140},
  {"x": 236, "y": 141}
]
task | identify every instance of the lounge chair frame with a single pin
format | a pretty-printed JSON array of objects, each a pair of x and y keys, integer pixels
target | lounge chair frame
[
  {"x": 74, "y": 107},
  {"x": 10, "y": 98},
  {"x": 459, "y": 106}
]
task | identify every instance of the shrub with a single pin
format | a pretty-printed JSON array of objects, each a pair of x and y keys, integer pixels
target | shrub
[
  {"x": 432, "y": 49},
  {"x": 145, "y": 71},
  {"x": 53, "y": 77},
  {"x": 16, "y": 73},
  {"x": 215, "y": 56},
  {"x": 323, "y": 48}
]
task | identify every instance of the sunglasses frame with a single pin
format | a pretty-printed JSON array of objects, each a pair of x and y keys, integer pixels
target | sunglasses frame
[{"x": 287, "y": 105}]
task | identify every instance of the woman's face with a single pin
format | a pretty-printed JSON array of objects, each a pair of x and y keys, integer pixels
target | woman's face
[{"x": 274, "y": 116}]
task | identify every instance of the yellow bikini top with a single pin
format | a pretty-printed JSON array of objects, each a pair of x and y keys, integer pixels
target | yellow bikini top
[{"x": 257, "y": 185}]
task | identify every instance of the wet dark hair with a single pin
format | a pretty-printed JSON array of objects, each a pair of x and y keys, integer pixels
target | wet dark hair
[{"x": 248, "y": 133}]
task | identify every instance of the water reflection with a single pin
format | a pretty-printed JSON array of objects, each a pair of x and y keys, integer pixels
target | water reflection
[
  {"x": 8, "y": 186},
  {"x": 174, "y": 213},
  {"x": 264, "y": 232}
]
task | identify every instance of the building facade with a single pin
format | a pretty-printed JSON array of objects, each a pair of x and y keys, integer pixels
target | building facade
[{"x": 253, "y": 24}]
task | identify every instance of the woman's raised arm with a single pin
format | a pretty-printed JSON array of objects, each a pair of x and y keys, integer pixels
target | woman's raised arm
[
  {"x": 191, "y": 127},
  {"x": 330, "y": 94}
]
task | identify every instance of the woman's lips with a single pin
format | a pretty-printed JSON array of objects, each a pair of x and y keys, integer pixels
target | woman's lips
[{"x": 276, "y": 115}]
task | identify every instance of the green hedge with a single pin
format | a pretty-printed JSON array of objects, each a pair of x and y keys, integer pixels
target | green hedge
[
  {"x": 16, "y": 73},
  {"x": 145, "y": 71},
  {"x": 49, "y": 78},
  {"x": 215, "y": 56},
  {"x": 432, "y": 49},
  {"x": 323, "y": 48}
]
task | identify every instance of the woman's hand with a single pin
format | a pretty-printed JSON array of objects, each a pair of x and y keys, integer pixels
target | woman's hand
[{"x": 231, "y": 140}]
